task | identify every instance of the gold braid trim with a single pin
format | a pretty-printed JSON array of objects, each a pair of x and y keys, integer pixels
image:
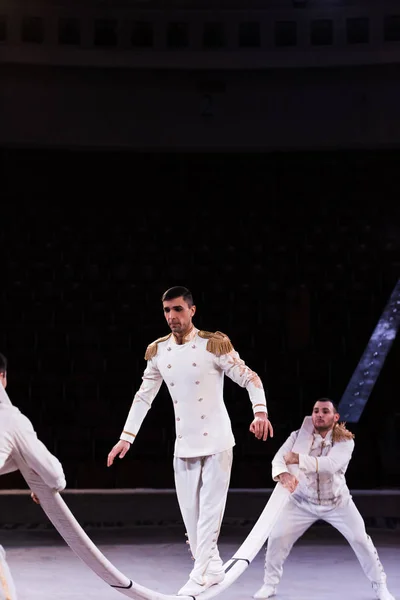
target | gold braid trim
[
  {"x": 340, "y": 433},
  {"x": 152, "y": 348},
  {"x": 129, "y": 433},
  {"x": 218, "y": 343}
]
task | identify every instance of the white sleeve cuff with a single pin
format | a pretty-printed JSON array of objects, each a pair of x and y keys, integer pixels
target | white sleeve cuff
[
  {"x": 127, "y": 437},
  {"x": 260, "y": 408},
  {"x": 277, "y": 472}
]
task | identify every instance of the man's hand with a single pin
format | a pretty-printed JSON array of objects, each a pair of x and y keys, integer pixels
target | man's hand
[
  {"x": 291, "y": 458},
  {"x": 261, "y": 426},
  {"x": 288, "y": 481},
  {"x": 35, "y": 498},
  {"x": 120, "y": 448}
]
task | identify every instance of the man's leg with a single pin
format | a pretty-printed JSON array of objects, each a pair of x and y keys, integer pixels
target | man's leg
[
  {"x": 292, "y": 523},
  {"x": 350, "y": 523},
  {"x": 187, "y": 472},
  {"x": 212, "y": 501},
  {"x": 7, "y": 587}
]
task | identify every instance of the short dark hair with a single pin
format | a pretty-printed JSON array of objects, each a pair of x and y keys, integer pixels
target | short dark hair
[
  {"x": 176, "y": 292},
  {"x": 328, "y": 400},
  {"x": 3, "y": 364}
]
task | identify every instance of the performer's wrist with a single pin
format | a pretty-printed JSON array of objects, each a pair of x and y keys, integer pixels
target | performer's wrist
[
  {"x": 263, "y": 413},
  {"x": 126, "y": 436}
]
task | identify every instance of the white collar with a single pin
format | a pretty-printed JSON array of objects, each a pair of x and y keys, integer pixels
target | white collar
[
  {"x": 327, "y": 440},
  {"x": 188, "y": 337}
]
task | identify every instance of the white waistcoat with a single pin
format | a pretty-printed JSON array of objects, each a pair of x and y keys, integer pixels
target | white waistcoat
[{"x": 195, "y": 379}]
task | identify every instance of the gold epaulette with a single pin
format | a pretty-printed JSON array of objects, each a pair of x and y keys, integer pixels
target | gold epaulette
[
  {"x": 218, "y": 343},
  {"x": 340, "y": 433},
  {"x": 151, "y": 349}
]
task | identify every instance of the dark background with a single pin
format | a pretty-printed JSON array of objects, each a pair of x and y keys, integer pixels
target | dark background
[
  {"x": 247, "y": 150},
  {"x": 293, "y": 255}
]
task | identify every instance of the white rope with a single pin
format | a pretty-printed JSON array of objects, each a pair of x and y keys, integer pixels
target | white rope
[{"x": 80, "y": 543}]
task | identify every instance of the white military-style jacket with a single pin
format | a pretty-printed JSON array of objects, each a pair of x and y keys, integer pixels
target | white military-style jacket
[
  {"x": 17, "y": 437},
  {"x": 194, "y": 375},
  {"x": 322, "y": 466}
]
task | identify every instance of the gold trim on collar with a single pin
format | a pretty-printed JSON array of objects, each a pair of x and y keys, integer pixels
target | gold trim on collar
[{"x": 188, "y": 337}]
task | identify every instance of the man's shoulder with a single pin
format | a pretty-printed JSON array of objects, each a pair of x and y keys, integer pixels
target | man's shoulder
[
  {"x": 11, "y": 417},
  {"x": 152, "y": 348},
  {"x": 218, "y": 343},
  {"x": 342, "y": 434}
]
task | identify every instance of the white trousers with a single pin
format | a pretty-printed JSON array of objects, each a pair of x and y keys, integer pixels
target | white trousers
[
  {"x": 7, "y": 587},
  {"x": 202, "y": 487},
  {"x": 295, "y": 519}
]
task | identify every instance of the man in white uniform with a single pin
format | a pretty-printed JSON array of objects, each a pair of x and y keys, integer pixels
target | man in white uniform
[
  {"x": 192, "y": 364},
  {"x": 18, "y": 438},
  {"x": 318, "y": 492}
]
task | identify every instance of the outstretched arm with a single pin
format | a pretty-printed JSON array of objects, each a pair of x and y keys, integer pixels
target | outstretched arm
[
  {"x": 35, "y": 454},
  {"x": 237, "y": 370},
  {"x": 142, "y": 401}
]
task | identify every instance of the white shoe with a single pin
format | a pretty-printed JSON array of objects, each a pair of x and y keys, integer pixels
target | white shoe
[
  {"x": 381, "y": 591},
  {"x": 266, "y": 591},
  {"x": 192, "y": 588}
]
